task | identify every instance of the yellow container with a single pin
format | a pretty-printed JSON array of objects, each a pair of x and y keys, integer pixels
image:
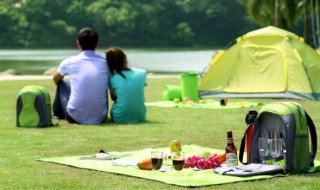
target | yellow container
[{"x": 175, "y": 146}]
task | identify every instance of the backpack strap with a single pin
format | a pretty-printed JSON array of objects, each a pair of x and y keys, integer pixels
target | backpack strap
[
  {"x": 242, "y": 146},
  {"x": 313, "y": 134}
]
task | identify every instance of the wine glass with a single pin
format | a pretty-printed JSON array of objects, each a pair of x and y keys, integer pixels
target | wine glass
[
  {"x": 156, "y": 159},
  {"x": 275, "y": 148},
  {"x": 178, "y": 160},
  {"x": 263, "y": 149}
]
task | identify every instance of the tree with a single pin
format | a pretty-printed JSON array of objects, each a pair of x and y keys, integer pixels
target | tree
[
  {"x": 46, "y": 24},
  {"x": 287, "y": 12},
  {"x": 135, "y": 23},
  {"x": 214, "y": 22},
  {"x": 11, "y": 22}
]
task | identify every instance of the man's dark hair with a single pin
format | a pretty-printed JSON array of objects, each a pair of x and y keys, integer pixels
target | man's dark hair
[{"x": 88, "y": 39}]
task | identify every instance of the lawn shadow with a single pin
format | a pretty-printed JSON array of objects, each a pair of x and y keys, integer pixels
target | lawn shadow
[
  {"x": 109, "y": 123},
  {"x": 63, "y": 123},
  {"x": 315, "y": 174},
  {"x": 54, "y": 125}
]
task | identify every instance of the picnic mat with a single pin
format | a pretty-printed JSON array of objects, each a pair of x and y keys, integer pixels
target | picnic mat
[
  {"x": 126, "y": 165},
  {"x": 207, "y": 104}
]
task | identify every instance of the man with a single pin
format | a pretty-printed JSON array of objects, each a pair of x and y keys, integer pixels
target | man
[{"x": 84, "y": 100}]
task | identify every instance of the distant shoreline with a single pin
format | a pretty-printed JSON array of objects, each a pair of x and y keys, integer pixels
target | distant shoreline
[
  {"x": 43, "y": 62},
  {"x": 102, "y": 49},
  {"x": 42, "y": 77}
]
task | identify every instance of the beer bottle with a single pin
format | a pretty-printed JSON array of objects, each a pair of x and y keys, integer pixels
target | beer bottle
[{"x": 231, "y": 151}]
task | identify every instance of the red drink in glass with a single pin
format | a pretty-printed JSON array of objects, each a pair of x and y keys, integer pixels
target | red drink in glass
[
  {"x": 156, "y": 163},
  {"x": 178, "y": 164}
]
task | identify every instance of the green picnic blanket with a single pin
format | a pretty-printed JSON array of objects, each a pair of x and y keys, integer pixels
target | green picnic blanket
[
  {"x": 126, "y": 165},
  {"x": 207, "y": 104}
]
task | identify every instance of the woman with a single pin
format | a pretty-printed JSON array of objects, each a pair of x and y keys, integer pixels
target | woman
[{"x": 126, "y": 87}]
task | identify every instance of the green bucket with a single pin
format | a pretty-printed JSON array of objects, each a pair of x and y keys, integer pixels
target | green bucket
[
  {"x": 189, "y": 85},
  {"x": 171, "y": 92}
]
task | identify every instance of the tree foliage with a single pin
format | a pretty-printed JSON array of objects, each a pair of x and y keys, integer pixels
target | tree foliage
[
  {"x": 136, "y": 23},
  {"x": 263, "y": 12}
]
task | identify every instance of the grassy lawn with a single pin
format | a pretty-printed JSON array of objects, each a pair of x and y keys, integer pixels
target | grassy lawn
[{"x": 19, "y": 146}]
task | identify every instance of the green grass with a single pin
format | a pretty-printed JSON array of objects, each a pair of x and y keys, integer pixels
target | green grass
[{"x": 19, "y": 146}]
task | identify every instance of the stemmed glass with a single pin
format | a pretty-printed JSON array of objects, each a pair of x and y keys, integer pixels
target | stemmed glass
[
  {"x": 275, "y": 148},
  {"x": 263, "y": 149}
]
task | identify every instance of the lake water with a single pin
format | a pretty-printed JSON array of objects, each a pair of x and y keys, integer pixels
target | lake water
[{"x": 35, "y": 62}]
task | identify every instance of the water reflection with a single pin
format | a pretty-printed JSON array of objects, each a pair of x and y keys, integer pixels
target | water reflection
[{"x": 37, "y": 61}]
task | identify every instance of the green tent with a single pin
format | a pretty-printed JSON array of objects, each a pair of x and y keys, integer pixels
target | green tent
[{"x": 265, "y": 63}]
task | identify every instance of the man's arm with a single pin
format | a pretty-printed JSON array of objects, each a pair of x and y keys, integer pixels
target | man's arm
[{"x": 57, "y": 77}]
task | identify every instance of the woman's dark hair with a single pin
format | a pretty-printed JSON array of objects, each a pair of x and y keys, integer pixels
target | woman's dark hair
[{"x": 117, "y": 60}]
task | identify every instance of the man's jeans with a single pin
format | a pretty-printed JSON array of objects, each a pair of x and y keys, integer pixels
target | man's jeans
[{"x": 61, "y": 101}]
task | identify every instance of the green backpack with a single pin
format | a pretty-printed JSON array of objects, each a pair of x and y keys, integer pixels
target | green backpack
[
  {"x": 294, "y": 125},
  {"x": 34, "y": 107}
]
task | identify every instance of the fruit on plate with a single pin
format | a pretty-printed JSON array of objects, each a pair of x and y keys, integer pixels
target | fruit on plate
[
  {"x": 205, "y": 154},
  {"x": 168, "y": 156},
  {"x": 176, "y": 100},
  {"x": 202, "y": 101},
  {"x": 186, "y": 99},
  {"x": 145, "y": 164},
  {"x": 222, "y": 156},
  {"x": 201, "y": 163}
]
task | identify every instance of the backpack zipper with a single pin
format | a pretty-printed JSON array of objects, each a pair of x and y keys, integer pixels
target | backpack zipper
[{"x": 300, "y": 114}]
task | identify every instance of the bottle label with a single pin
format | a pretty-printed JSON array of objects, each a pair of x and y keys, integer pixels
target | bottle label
[
  {"x": 231, "y": 159},
  {"x": 229, "y": 140}
]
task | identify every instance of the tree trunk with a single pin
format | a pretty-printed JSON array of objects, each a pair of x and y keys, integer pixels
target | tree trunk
[
  {"x": 306, "y": 21},
  {"x": 313, "y": 27},
  {"x": 277, "y": 14},
  {"x": 317, "y": 21}
]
